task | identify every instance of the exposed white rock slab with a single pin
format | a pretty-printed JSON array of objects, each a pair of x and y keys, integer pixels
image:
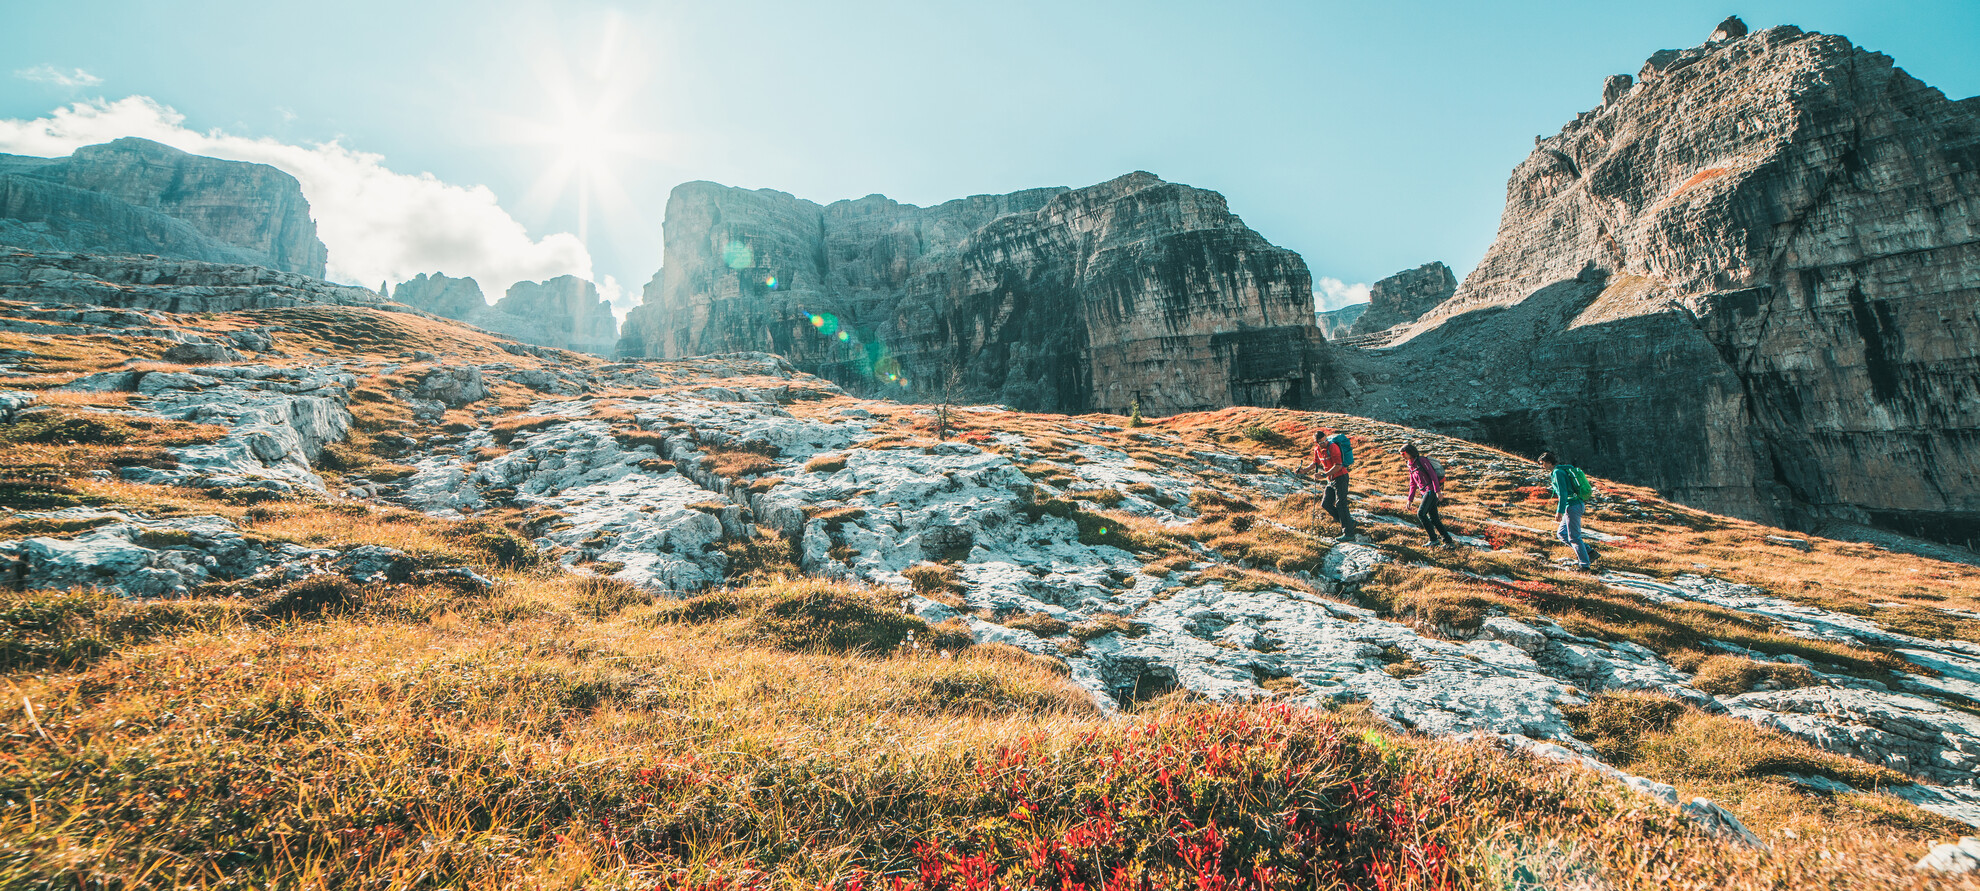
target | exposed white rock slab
[
  {"x": 142, "y": 557},
  {"x": 1952, "y": 859},
  {"x": 278, "y": 421}
]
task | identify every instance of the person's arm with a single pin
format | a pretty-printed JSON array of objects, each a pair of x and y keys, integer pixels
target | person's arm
[
  {"x": 1561, "y": 480},
  {"x": 1415, "y": 473}
]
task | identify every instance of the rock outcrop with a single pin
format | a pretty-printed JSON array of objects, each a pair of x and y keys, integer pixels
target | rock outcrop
[
  {"x": 1132, "y": 292},
  {"x": 1405, "y": 297},
  {"x": 1334, "y": 323},
  {"x": 564, "y": 312},
  {"x": 1748, "y": 278},
  {"x": 154, "y": 284},
  {"x": 452, "y": 298},
  {"x": 135, "y": 196}
]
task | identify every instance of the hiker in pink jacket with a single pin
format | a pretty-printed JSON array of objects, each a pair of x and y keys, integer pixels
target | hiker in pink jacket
[{"x": 1427, "y": 478}]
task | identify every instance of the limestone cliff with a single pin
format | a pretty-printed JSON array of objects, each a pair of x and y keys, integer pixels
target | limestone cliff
[
  {"x": 564, "y": 312},
  {"x": 1132, "y": 291},
  {"x": 1405, "y": 297},
  {"x": 453, "y": 298},
  {"x": 1748, "y": 278},
  {"x": 118, "y": 198},
  {"x": 1335, "y": 323},
  {"x": 45, "y": 216}
]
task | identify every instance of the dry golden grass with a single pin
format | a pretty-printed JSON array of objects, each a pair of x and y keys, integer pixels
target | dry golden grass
[
  {"x": 732, "y": 464},
  {"x": 1743, "y": 767},
  {"x": 1725, "y": 675},
  {"x": 560, "y": 731}
]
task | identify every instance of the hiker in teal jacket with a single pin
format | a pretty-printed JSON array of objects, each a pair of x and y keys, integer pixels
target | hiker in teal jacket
[{"x": 1569, "y": 505}]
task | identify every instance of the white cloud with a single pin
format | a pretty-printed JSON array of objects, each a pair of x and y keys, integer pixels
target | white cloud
[
  {"x": 614, "y": 293},
  {"x": 1332, "y": 293},
  {"x": 49, "y": 74},
  {"x": 378, "y": 224}
]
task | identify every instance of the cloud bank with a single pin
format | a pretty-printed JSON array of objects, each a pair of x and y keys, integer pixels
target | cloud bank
[
  {"x": 379, "y": 225},
  {"x": 1332, "y": 293},
  {"x": 49, "y": 74}
]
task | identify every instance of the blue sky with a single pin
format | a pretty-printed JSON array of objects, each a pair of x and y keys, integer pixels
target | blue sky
[{"x": 1370, "y": 137}]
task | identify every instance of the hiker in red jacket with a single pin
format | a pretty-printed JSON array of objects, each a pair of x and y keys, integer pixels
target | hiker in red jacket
[
  {"x": 1427, "y": 477},
  {"x": 1327, "y": 459}
]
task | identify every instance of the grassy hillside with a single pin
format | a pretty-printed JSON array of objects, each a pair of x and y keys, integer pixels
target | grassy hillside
[{"x": 538, "y": 723}]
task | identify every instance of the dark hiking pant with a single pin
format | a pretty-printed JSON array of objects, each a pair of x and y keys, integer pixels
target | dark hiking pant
[
  {"x": 1431, "y": 520},
  {"x": 1335, "y": 501}
]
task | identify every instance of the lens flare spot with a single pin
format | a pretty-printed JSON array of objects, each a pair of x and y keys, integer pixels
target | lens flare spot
[
  {"x": 844, "y": 336},
  {"x": 817, "y": 321},
  {"x": 770, "y": 283},
  {"x": 739, "y": 255}
]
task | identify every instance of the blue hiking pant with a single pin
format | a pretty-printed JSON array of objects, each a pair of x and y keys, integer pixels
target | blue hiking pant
[{"x": 1570, "y": 530}]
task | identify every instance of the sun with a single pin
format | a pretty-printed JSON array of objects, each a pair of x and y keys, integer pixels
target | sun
[
  {"x": 587, "y": 139},
  {"x": 583, "y": 130}
]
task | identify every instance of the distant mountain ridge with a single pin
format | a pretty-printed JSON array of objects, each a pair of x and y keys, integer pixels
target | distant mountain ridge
[{"x": 564, "y": 312}]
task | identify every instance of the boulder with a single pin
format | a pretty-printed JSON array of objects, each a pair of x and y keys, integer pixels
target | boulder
[
  {"x": 1729, "y": 29},
  {"x": 373, "y": 564},
  {"x": 1952, "y": 859},
  {"x": 12, "y": 402},
  {"x": 1614, "y": 89},
  {"x": 1351, "y": 564},
  {"x": 202, "y": 353},
  {"x": 455, "y": 386}
]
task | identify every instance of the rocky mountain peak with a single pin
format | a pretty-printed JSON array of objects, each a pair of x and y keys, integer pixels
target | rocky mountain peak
[
  {"x": 1405, "y": 296},
  {"x": 1729, "y": 29},
  {"x": 1045, "y": 298},
  {"x": 1733, "y": 280},
  {"x": 248, "y": 212},
  {"x": 441, "y": 295}
]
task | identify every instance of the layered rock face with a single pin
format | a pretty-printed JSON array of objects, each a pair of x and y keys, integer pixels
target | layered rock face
[
  {"x": 1748, "y": 278},
  {"x": 564, "y": 312},
  {"x": 1134, "y": 291},
  {"x": 159, "y": 285},
  {"x": 136, "y": 196},
  {"x": 1405, "y": 297}
]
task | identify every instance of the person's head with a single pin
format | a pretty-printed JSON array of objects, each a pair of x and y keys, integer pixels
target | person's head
[
  {"x": 1409, "y": 448},
  {"x": 1321, "y": 434},
  {"x": 1547, "y": 459}
]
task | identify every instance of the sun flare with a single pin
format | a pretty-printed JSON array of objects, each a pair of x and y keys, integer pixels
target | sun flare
[{"x": 583, "y": 132}]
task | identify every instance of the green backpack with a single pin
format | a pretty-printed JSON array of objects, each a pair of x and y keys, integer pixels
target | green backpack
[{"x": 1582, "y": 489}]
